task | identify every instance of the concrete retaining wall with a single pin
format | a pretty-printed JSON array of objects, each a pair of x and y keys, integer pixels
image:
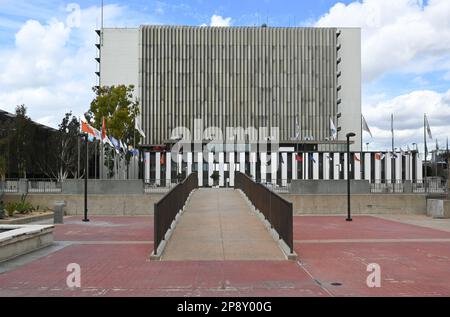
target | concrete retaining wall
[
  {"x": 103, "y": 187},
  {"x": 438, "y": 208},
  {"x": 97, "y": 204},
  {"x": 329, "y": 186},
  {"x": 361, "y": 204}
]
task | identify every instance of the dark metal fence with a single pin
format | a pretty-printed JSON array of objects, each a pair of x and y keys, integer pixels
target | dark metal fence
[
  {"x": 276, "y": 210},
  {"x": 168, "y": 207}
]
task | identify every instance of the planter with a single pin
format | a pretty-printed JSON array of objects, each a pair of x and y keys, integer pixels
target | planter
[{"x": 27, "y": 218}]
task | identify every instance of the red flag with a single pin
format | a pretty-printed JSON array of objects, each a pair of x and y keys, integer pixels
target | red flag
[
  {"x": 378, "y": 156},
  {"x": 357, "y": 158},
  {"x": 162, "y": 160},
  {"x": 103, "y": 128},
  {"x": 298, "y": 158}
]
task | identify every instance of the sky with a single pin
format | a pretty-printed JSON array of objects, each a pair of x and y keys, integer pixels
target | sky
[{"x": 47, "y": 53}]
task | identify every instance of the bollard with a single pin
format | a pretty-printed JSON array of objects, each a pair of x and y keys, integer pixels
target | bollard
[{"x": 58, "y": 213}]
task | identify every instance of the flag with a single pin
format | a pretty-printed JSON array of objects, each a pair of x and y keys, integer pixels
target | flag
[
  {"x": 86, "y": 128},
  {"x": 365, "y": 126},
  {"x": 357, "y": 158},
  {"x": 333, "y": 129},
  {"x": 162, "y": 160},
  {"x": 311, "y": 158},
  {"x": 378, "y": 156},
  {"x": 115, "y": 144},
  {"x": 98, "y": 134},
  {"x": 427, "y": 126},
  {"x": 297, "y": 129},
  {"x": 402, "y": 152},
  {"x": 105, "y": 138},
  {"x": 298, "y": 158},
  {"x": 137, "y": 126}
]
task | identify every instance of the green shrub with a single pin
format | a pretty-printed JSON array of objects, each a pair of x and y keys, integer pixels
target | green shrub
[
  {"x": 24, "y": 207},
  {"x": 10, "y": 208}
]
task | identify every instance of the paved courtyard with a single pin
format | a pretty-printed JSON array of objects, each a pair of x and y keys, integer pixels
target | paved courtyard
[{"x": 113, "y": 253}]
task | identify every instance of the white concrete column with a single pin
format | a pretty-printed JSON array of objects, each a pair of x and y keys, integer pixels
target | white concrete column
[
  {"x": 378, "y": 168},
  {"x": 158, "y": 168},
  {"x": 336, "y": 166},
  {"x": 147, "y": 165},
  {"x": 294, "y": 166},
  {"x": 419, "y": 163},
  {"x": 263, "y": 166},
  {"x": 232, "y": 167},
  {"x": 274, "y": 167},
  {"x": 242, "y": 163},
  {"x": 410, "y": 166},
  {"x": 168, "y": 167},
  {"x": 210, "y": 168},
  {"x": 345, "y": 165},
  {"x": 398, "y": 167},
  {"x": 315, "y": 165},
  {"x": 388, "y": 168},
  {"x": 357, "y": 166},
  {"x": 253, "y": 165},
  {"x": 189, "y": 163},
  {"x": 306, "y": 165},
  {"x": 367, "y": 167},
  {"x": 200, "y": 168},
  {"x": 221, "y": 169},
  {"x": 180, "y": 163},
  {"x": 326, "y": 166},
  {"x": 284, "y": 167}
]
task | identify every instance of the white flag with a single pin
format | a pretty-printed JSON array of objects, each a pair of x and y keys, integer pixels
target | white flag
[
  {"x": 138, "y": 126},
  {"x": 333, "y": 129},
  {"x": 427, "y": 125},
  {"x": 365, "y": 126}
]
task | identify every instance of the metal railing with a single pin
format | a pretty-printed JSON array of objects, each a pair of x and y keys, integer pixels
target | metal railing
[
  {"x": 9, "y": 186},
  {"x": 276, "y": 210},
  {"x": 432, "y": 185},
  {"x": 152, "y": 186},
  {"x": 42, "y": 185},
  {"x": 167, "y": 208},
  {"x": 282, "y": 186},
  {"x": 387, "y": 186}
]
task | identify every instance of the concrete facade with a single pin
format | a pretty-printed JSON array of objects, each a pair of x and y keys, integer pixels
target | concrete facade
[
  {"x": 103, "y": 187},
  {"x": 239, "y": 77},
  {"x": 438, "y": 208},
  {"x": 360, "y": 203}
]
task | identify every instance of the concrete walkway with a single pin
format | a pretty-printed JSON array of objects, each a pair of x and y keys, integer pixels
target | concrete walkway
[{"x": 219, "y": 225}]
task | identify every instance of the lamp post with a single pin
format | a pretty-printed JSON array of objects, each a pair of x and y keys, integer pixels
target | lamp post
[
  {"x": 86, "y": 179},
  {"x": 349, "y": 135}
]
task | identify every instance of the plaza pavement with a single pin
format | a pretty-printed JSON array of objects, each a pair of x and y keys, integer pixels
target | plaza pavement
[{"x": 113, "y": 253}]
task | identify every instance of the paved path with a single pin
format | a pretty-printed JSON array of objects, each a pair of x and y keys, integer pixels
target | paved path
[{"x": 219, "y": 225}]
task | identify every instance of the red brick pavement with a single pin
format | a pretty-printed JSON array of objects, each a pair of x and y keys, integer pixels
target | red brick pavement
[{"x": 110, "y": 268}]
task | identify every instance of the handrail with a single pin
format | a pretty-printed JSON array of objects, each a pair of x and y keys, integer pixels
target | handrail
[
  {"x": 277, "y": 210},
  {"x": 167, "y": 208}
]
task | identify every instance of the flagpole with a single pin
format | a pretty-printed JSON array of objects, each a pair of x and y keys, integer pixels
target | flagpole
[{"x": 425, "y": 149}]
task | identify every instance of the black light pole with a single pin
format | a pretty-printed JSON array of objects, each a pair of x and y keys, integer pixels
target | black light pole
[
  {"x": 349, "y": 135},
  {"x": 86, "y": 172}
]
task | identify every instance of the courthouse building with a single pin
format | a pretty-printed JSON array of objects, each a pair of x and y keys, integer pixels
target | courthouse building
[{"x": 297, "y": 87}]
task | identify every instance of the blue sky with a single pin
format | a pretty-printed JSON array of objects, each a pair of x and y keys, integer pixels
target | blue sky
[{"x": 48, "y": 64}]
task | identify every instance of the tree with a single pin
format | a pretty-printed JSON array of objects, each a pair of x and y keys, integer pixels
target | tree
[
  {"x": 63, "y": 149},
  {"x": 2, "y": 168},
  {"x": 117, "y": 105},
  {"x": 22, "y": 139}
]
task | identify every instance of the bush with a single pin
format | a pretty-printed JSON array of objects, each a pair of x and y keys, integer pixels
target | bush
[
  {"x": 24, "y": 207},
  {"x": 10, "y": 208}
]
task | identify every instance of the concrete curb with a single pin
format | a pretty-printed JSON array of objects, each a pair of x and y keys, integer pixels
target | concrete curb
[{"x": 276, "y": 237}]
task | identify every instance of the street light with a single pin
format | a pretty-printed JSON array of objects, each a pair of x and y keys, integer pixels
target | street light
[
  {"x": 86, "y": 179},
  {"x": 349, "y": 135}
]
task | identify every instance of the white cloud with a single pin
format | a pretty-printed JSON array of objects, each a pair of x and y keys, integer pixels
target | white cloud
[
  {"x": 402, "y": 35},
  {"x": 217, "y": 20},
  {"x": 51, "y": 67},
  {"x": 408, "y": 113}
]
